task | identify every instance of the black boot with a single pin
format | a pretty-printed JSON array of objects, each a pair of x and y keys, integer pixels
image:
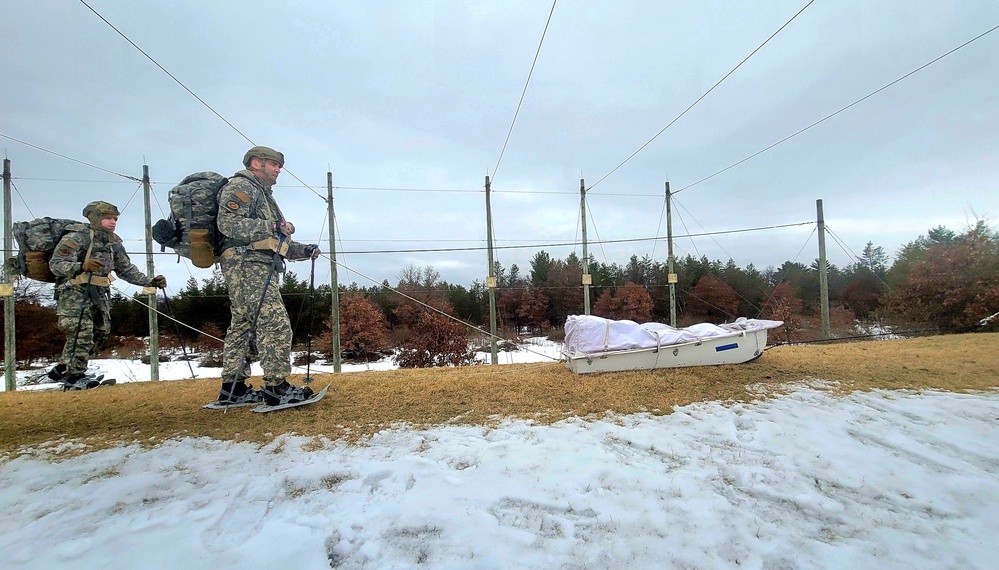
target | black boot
[
  {"x": 285, "y": 393},
  {"x": 238, "y": 393},
  {"x": 58, "y": 372},
  {"x": 80, "y": 381}
]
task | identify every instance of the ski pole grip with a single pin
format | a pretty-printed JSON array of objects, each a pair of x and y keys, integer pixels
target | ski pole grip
[{"x": 278, "y": 260}]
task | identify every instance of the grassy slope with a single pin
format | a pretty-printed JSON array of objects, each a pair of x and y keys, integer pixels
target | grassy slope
[{"x": 362, "y": 403}]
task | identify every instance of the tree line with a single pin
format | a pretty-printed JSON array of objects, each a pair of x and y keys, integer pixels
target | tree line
[{"x": 945, "y": 280}]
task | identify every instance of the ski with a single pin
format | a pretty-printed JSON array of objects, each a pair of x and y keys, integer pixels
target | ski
[
  {"x": 95, "y": 382},
  {"x": 263, "y": 409},
  {"x": 216, "y": 405},
  {"x": 71, "y": 387}
]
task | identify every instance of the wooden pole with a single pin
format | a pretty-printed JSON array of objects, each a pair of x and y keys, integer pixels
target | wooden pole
[
  {"x": 154, "y": 327},
  {"x": 823, "y": 277},
  {"x": 671, "y": 276},
  {"x": 586, "y": 260},
  {"x": 491, "y": 280},
  {"x": 334, "y": 284},
  {"x": 9, "y": 340}
]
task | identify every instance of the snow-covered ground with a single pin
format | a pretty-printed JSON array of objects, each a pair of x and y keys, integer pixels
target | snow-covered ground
[{"x": 872, "y": 480}]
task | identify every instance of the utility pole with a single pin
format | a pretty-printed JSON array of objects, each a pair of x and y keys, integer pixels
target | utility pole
[
  {"x": 587, "y": 279},
  {"x": 154, "y": 328},
  {"x": 334, "y": 281},
  {"x": 7, "y": 287},
  {"x": 823, "y": 278},
  {"x": 491, "y": 279},
  {"x": 671, "y": 276}
]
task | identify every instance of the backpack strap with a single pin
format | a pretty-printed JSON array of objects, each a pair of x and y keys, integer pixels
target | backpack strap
[
  {"x": 266, "y": 244},
  {"x": 90, "y": 278},
  {"x": 99, "y": 280}
]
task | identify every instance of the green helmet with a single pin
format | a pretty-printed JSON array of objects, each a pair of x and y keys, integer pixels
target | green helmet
[
  {"x": 99, "y": 209},
  {"x": 96, "y": 211},
  {"x": 263, "y": 152}
]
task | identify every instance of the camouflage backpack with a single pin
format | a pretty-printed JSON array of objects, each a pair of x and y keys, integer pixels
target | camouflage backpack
[
  {"x": 190, "y": 229},
  {"x": 36, "y": 240}
]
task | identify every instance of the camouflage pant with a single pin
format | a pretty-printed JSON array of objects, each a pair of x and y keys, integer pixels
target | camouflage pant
[
  {"x": 94, "y": 325},
  {"x": 246, "y": 281}
]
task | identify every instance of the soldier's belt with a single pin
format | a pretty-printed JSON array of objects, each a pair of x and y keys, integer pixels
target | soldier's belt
[
  {"x": 90, "y": 279},
  {"x": 269, "y": 244}
]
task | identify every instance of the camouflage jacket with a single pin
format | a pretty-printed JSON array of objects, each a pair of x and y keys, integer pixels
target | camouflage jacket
[
  {"x": 248, "y": 213},
  {"x": 67, "y": 259}
]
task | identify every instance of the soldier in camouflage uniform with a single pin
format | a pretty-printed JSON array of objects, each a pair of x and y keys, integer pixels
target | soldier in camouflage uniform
[
  {"x": 82, "y": 262},
  {"x": 256, "y": 240}
]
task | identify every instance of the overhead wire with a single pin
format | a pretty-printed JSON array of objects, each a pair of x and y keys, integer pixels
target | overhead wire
[
  {"x": 524, "y": 92},
  {"x": 73, "y": 180},
  {"x": 849, "y": 252},
  {"x": 659, "y": 226},
  {"x": 589, "y": 211},
  {"x": 71, "y": 159},
  {"x": 831, "y": 115},
  {"x": 164, "y": 70},
  {"x": 132, "y": 197},
  {"x": 684, "y": 224},
  {"x": 576, "y": 242},
  {"x": 186, "y": 88},
  {"x": 691, "y": 106},
  {"x": 855, "y": 257},
  {"x": 436, "y": 310},
  {"x": 702, "y": 227},
  {"x": 23, "y": 201},
  {"x": 513, "y": 122},
  {"x": 170, "y": 317}
]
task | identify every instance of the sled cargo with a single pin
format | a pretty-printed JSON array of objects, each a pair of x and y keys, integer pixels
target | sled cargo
[{"x": 595, "y": 344}]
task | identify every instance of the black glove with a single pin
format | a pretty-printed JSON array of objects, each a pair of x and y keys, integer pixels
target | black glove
[
  {"x": 159, "y": 282},
  {"x": 92, "y": 265},
  {"x": 312, "y": 251}
]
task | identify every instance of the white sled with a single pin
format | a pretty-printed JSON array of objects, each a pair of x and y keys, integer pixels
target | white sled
[{"x": 595, "y": 344}]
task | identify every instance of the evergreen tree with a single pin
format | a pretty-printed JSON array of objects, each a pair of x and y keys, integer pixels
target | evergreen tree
[{"x": 541, "y": 265}]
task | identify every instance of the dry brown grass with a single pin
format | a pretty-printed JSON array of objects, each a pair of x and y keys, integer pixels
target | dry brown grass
[{"x": 360, "y": 404}]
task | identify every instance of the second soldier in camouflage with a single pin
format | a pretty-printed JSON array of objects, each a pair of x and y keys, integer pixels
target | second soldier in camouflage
[{"x": 256, "y": 240}]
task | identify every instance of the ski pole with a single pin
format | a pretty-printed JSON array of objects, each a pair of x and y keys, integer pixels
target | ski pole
[
  {"x": 183, "y": 346},
  {"x": 276, "y": 265}
]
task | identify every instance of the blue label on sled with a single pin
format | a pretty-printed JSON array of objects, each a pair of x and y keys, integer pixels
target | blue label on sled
[{"x": 726, "y": 347}]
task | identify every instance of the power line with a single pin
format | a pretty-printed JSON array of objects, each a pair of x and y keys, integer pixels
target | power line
[
  {"x": 163, "y": 69},
  {"x": 18, "y": 192},
  {"x": 75, "y": 181},
  {"x": 541, "y": 245},
  {"x": 703, "y": 96},
  {"x": 696, "y": 221},
  {"x": 52, "y": 152},
  {"x": 369, "y": 188},
  {"x": 376, "y": 189},
  {"x": 574, "y": 243},
  {"x": 524, "y": 92},
  {"x": 186, "y": 88},
  {"x": 824, "y": 119}
]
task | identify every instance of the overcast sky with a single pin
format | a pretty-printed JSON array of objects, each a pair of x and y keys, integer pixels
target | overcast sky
[{"x": 409, "y": 104}]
